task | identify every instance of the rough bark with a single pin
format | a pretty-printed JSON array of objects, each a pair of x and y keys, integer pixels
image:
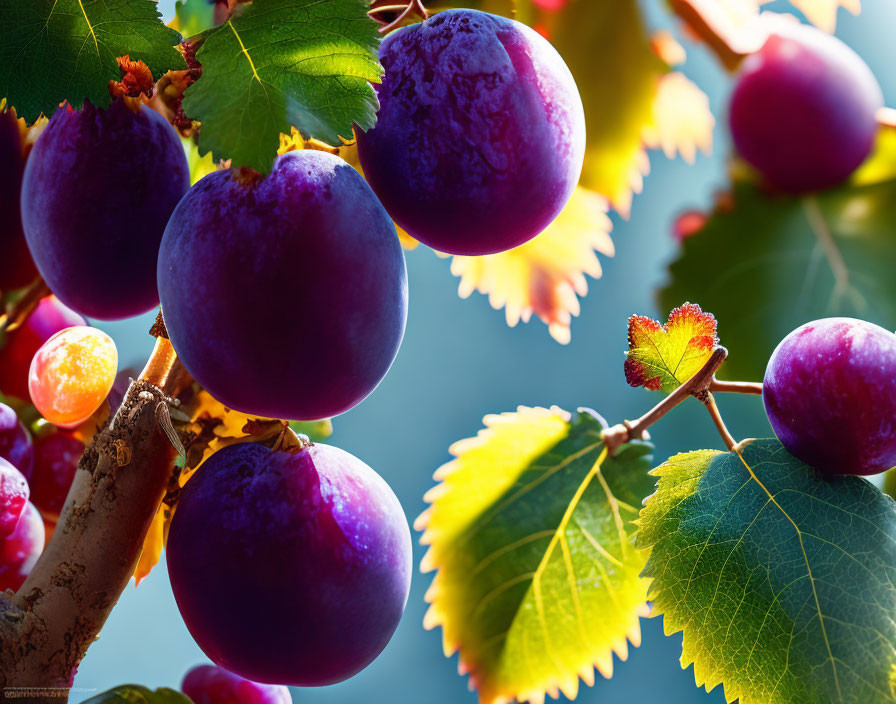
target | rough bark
[{"x": 47, "y": 626}]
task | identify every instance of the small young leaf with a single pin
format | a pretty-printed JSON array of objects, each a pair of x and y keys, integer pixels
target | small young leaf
[
  {"x": 765, "y": 264},
  {"x": 530, "y": 530},
  {"x": 57, "y": 50},
  {"x": 284, "y": 63},
  {"x": 782, "y": 580},
  {"x": 200, "y": 166},
  {"x": 663, "y": 357},
  {"x": 546, "y": 275},
  {"x": 138, "y": 694}
]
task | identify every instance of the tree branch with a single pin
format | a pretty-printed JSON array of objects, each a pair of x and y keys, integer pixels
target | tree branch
[
  {"x": 718, "y": 30},
  {"x": 47, "y": 626}
]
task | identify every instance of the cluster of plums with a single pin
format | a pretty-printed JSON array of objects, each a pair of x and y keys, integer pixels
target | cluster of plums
[{"x": 286, "y": 296}]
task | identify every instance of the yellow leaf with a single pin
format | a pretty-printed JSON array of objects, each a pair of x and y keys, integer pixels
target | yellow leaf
[
  {"x": 545, "y": 275},
  {"x": 666, "y": 46},
  {"x": 214, "y": 426},
  {"x": 619, "y": 71},
  {"x": 153, "y": 544},
  {"x": 530, "y": 530},
  {"x": 823, "y": 13},
  {"x": 682, "y": 120},
  {"x": 662, "y": 357},
  {"x": 881, "y": 164},
  {"x": 200, "y": 166},
  {"x": 607, "y": 48},
  {"x": 406, "y": 240}
]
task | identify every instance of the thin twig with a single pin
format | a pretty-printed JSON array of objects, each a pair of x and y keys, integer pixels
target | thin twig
[
  {"x": 405, "y": 10},
  {"x": 710, "y": 402},
  {"x": 697, "y": 384},
  {"x": 736, "y": 387}
]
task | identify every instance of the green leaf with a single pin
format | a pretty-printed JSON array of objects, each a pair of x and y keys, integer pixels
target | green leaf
[
  {"x": 530, "y": 530},
  {"x": 284, "y": 63},
  {"x": 890, "y": 482},
  {"x": 138, "y": 694},
  {"x": 56, "y": 50},
  {"x": 192, "y": 17},
  {"x": 316, "y": 430},
  {"x": 765, "y": 264},
  {"x": 782, "y": 580}
]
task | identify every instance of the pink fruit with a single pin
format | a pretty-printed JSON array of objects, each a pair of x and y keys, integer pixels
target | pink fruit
[
  {"x": 20, "y": 549},
  {"x": 210, "y": 684}
]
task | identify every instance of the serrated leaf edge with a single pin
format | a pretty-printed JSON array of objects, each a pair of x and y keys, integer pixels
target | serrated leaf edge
[{"x": 435, "y": 618}]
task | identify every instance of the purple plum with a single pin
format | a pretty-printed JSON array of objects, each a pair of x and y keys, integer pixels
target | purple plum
[
  {"x": 98, "y": 189},
  {"x": 803, "y": 110},
  {"x": 284, "y": 296},
  {"x": 830, "y": 394},
  {"x": 289, "y": 568},
  {"x": 480, "y": 135}
]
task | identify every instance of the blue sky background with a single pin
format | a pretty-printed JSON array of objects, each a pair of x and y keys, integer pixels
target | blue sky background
[{"x": 460, "y": 361}]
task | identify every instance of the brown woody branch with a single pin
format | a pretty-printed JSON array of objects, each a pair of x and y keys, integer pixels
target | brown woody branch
[
  {"x": 736, "y": 387},
  {"x": 700, "y": 386},
  {"x": 705, "y": 19},
  {"x": 47, "y": 626}
]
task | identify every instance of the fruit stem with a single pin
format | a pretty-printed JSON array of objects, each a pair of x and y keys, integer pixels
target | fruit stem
[
  {"x": 698, "y": 385},
  {"x": 736, "y": 387},
  {"x": 19, "y": 311},
  {"x": 163, "y": 369},
  {"x": 710, "y": 402},
  {"x": 405, "y": 10}
]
